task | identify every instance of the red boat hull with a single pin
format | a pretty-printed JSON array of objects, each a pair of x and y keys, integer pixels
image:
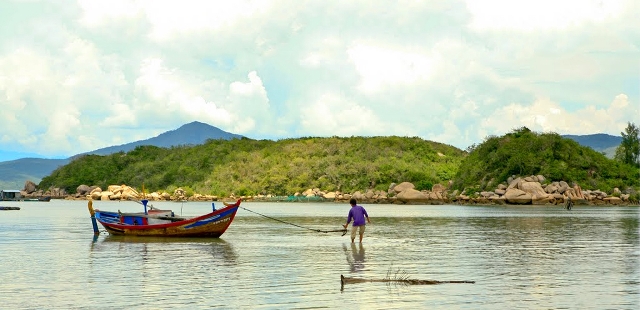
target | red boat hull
[{"x": 213, "y": 224}]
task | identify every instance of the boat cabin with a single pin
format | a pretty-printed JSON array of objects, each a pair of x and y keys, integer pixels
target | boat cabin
[{"x": 10, "y": 194}]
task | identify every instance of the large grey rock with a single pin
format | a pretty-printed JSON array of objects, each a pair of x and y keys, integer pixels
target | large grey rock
[
  {"x": 438, "y": 188},
  {"x": 412, "y": 195},
  {"x": 516, "y": 196},
  {"x": 403, "y": 186},
  {"x": 533, "y": 188},
  {"x": 83, "y": 189},
  {"x": 29, "y": 187}
]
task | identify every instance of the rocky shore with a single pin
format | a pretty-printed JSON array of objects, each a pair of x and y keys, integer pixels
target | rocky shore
[{"x": 530, "y": 190}]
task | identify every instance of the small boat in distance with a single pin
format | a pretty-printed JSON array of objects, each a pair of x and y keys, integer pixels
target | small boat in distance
[{"x": 164, "y": 223}]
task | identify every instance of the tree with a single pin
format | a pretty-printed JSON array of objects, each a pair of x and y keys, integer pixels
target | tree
[{"x": 629, "y": 150}]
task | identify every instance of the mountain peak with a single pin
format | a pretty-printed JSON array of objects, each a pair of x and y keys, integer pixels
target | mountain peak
[{"x": 188, "y": 134}]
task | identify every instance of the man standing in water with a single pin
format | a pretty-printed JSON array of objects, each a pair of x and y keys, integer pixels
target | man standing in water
[{"x": 358, "y": 214}]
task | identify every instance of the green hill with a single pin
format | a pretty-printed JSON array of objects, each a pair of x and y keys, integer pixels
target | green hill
[
  {"x": 249, "y": 167},
  {"x": 523, "y": 153}
]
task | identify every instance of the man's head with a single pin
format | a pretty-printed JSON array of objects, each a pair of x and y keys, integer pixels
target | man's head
[{"x": 352, "y": 201}]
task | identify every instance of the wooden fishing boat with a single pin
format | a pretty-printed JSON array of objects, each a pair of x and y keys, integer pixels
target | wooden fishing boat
[{"x": 164, "y": 223}]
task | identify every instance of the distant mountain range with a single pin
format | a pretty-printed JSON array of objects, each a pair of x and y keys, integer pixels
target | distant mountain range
[
  {"x": 190, "y": 134},
  {"x": 14, "y": 173},
  {"x": 600, "y": 142}
]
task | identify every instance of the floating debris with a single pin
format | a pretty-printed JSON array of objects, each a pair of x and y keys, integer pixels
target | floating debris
[
  {"x": 9, "y": 208},
  {"x": 399, "y": 277}
]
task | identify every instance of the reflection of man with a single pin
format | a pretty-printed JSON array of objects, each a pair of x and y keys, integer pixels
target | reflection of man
[{"x": 356, "y": 259}]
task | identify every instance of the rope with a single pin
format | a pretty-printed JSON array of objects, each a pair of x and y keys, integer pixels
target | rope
[{"x": 344, "y": 231}]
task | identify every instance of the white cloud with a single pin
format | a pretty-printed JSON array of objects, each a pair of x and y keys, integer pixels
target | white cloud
[
  {"x": 97, "y": 13},
  {"x": 541, "y": 14},
  {"x": 381, "y": 67},
  {"x": 172, "y": 18},
  {"x": 544, "y": 115},
  {"x": 453, "y": 71},
  {"x": 333, "y": 115}
]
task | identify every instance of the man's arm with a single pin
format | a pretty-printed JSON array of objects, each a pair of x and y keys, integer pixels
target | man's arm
[{"x": 348, "y": 220}]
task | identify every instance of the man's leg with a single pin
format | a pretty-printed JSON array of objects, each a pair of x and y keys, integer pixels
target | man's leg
[
  {"x": 353, "y": 233},
  {"x": 361, "y": 232}
]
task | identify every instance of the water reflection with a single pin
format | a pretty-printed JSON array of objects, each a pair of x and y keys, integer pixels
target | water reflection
[
  {"x": 216, "y": 247},
  {"x": 355, "y": 258}
]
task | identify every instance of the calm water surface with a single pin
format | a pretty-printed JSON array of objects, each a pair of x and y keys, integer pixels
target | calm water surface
[{"x": 520, "y": 257}]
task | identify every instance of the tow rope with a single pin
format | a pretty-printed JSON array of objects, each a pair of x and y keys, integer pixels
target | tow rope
[{"x": 344, "y": 230}]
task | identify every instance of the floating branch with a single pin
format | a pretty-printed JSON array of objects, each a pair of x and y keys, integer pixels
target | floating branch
[
  {"x": 14, "y": 208},
  {"x": 399, "y": 277}
]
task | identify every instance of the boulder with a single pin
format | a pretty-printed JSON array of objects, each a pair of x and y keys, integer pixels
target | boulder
[
  {"x": 514, "y": 183},
  {"x": 562, "y": 187},
  {"x": 105, "y": 195},
  {"x": 370, "y": 194},
  {"x": 83, "y": 189},
  {"x": 516, "y": 196},
  {"x": 29, "y": 187},
  {"x": 438, "y": 188},
  {"x": 129, "y": 192},
  {"x": 329, "y": 195},
  {"x": 542, "y": 200},
  {"x": 498, "y": 200},
  {"x": 433, "y": 195},
  {"x": 412, "y": 195},
  {"x": 533, "y": 188},
  {"x": 403, "y": 186},
  {"x": 391, "y": 187},
  {"x": 487, "y": 194},
  {"x": 358, "y": 196},
  {"x": 114, "y": 188},
  {"x": 96, "y": 189},
  {"x": 577, "y": 190},
  {"x": 612, "y": 200}
]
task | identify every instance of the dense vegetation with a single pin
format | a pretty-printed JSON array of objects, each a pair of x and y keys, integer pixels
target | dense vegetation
[
  {"x": 248, "y": 167},
  {"x": 523, "y": 152},
  {"x": 629, "y": 150}
]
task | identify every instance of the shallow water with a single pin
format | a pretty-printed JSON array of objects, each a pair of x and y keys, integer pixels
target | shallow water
[{"x": 519, "y": 257}]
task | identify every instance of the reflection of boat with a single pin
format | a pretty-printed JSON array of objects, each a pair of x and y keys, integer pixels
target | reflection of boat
[
  {"x": 219, "y": 249},
  {"x": 45, "y": 199},
  {"x": 163, "y": 223}
]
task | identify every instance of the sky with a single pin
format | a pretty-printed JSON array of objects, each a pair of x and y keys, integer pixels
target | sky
[{"x": 76, "y": 76}]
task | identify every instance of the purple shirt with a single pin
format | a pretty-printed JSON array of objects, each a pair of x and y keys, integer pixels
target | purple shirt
[{"x": 357, "y": 213}]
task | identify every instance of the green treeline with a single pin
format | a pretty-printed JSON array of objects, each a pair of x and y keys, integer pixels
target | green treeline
[
  {"x": 284, "y": 167},
  {"x": 523, "y": 153},
  {"x": 251, "y": 167}
]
